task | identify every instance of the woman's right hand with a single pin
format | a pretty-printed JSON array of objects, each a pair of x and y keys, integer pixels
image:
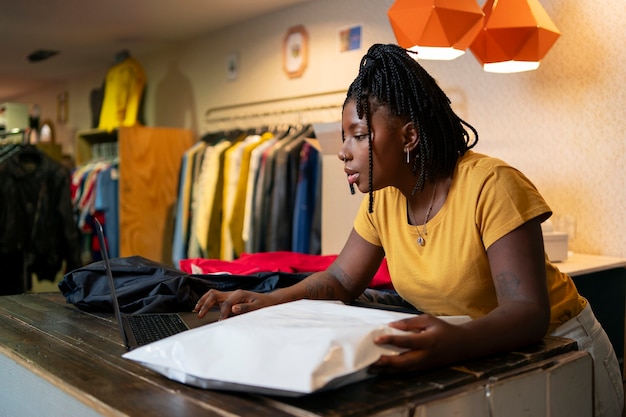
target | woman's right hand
[{"x": 232, "y": 302}]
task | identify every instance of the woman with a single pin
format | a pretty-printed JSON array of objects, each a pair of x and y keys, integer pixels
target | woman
[{"x": 461, "y": 233}]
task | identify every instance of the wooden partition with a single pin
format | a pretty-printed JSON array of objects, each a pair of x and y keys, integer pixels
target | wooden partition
[{"x": 149, "y": 166}]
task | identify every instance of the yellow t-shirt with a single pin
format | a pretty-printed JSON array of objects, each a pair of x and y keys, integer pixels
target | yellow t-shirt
[
  {"x": 123, "y": 90},
  {"x": 450, "y": 275}
]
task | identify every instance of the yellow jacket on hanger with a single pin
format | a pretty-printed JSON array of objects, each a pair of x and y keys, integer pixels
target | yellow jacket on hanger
[{"x": 123, "y": 91}]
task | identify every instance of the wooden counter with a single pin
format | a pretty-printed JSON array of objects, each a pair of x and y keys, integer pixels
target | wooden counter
[{"x": 58, "y": 360}]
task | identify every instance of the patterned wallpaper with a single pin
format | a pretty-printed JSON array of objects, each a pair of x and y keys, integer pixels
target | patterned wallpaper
[{"x": 564, "y": 124}]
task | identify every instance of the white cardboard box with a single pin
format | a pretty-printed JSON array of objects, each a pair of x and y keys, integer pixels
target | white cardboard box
[{"x": 556, "y": 244}]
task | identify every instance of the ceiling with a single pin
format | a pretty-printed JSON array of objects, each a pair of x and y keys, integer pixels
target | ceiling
[{"x": 88, "y": 33}]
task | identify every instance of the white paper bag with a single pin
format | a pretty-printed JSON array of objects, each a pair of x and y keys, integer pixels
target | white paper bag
[{"x": 289, "y": 349}]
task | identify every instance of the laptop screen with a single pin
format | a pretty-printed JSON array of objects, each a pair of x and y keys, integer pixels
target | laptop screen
[{"x": 107, "y": 266}]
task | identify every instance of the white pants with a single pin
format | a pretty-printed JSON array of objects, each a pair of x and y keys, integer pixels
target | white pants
[{"x": 607, "y": 377}]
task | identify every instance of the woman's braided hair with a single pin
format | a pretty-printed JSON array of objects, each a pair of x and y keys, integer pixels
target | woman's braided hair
[{"x": 389, "y": 76}]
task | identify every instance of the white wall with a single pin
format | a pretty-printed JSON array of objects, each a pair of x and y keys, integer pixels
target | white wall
[{"x": 563, "y": 125}]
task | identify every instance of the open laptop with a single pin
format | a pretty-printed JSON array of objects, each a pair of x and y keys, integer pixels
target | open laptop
[{"x": 138, "y": 329}]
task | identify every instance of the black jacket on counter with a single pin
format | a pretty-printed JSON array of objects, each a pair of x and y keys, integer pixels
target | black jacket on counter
[{"x": 145, "y": 286}]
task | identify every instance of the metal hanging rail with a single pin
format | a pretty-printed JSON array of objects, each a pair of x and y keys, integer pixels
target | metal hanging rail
[{"x": 237, "y": 117}]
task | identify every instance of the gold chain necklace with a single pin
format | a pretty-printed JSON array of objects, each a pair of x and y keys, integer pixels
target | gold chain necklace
[{"x": 420, "y": 240}]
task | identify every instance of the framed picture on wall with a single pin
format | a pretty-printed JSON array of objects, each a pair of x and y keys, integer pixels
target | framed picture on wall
[
  {"x": 350, "y": 38},
  {"x": 295, "y": 51}
]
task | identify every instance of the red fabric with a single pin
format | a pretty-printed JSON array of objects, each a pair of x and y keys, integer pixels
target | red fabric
[{"x": 282, "y": 261}]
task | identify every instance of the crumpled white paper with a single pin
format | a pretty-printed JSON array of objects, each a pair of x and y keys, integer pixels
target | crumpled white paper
[{"x": 288, "y": 349}]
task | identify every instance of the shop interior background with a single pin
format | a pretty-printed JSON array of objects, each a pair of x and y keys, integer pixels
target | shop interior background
[{"x": 562, "y": 125}]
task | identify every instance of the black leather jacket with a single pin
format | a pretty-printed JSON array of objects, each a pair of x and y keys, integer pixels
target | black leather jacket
[{"x": 37, "y": 226}]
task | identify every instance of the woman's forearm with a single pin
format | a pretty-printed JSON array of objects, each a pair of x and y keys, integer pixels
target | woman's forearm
[{"x": 318, "y": 286}]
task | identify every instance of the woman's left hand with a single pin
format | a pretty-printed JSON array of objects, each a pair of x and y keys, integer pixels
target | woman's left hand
[{"x": 432, "y": 342}]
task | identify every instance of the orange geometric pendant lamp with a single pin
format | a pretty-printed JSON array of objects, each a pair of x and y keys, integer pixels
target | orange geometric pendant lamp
[
  {"x": 436, "y": 29},
  {"x": 517, "y": 34}
]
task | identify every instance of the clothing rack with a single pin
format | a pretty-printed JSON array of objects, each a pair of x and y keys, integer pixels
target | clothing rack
[
  {"x": 11, "y": 143},
  {"x": 38, "y": 236},
  {"x": 301, "y": 110},
  {"x": 13, "y": 136}
]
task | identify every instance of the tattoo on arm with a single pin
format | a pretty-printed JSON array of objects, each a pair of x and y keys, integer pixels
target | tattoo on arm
[
  {"x": 508, "y": 285},
  {"x": 327, "y": 286},
  {"x": 320, "y": 290}
]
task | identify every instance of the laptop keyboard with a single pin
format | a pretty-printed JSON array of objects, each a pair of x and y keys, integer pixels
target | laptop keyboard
[{"x": 152, "y": 327}]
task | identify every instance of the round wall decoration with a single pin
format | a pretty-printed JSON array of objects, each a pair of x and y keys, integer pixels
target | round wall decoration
[{"x": 295, "y": 51}]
